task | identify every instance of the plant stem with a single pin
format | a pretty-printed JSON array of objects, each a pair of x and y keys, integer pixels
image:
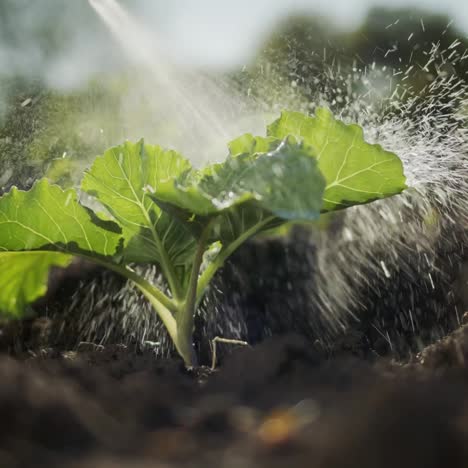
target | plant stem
[
  {"x": 225, "y": 253},
  {"x": 139, "y": 281},
  {"x": 164, "y": 314},
  {"x": 186, "y": 315},
  {"x": 163, "y": 305},
  {"x": 176, "y": 317}
]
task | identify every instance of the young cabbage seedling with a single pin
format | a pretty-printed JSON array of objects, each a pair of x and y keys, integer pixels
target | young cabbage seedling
[{"x": 156, "y": 208}]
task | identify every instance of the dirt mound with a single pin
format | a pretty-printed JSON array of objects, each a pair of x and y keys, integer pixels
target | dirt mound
[{"x": 282, "y": 403}]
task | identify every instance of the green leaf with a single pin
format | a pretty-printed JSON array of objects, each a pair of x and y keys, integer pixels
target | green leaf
[
  {"x": 122, "y": 179},
  {"x": 355, "y": 171},
  {"x": 41, "y": 228},
  {"x": 24, "y": 277},
  {"x": 285, "y": 183},
  {"x": 248, "y": 144},
  {"x": 49, "y": 218}
]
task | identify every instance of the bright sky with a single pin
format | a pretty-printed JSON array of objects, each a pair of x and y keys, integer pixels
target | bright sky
[{"x": 224, "y": 32}]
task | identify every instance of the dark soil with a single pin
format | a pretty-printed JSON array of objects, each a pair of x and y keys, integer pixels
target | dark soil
[{"x": 282, "y": 403}]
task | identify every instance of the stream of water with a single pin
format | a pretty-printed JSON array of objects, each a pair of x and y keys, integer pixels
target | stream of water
[{"x": 204, "y": 116}]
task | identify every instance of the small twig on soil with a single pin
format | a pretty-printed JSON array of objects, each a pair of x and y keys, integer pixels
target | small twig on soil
[
  {"x": 218, "y": 339},
  {"x": 88, "y": 343}
]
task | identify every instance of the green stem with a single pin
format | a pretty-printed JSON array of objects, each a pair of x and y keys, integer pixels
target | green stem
[
  {"x": 163, "y": 305},
  {"x": 164, "y": 314},
  {"x": 186, "y": 315},
  {"x": 139, "y": 281},
  {"x": 224, "y": 254}
]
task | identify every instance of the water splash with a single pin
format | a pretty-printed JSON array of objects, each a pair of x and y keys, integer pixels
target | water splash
[
  {"x": 397, "y": 260},
  {"x": 391, "y": 265}
]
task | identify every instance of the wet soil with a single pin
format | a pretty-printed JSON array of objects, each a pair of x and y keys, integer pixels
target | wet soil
[{"x": 282, "y": 403}]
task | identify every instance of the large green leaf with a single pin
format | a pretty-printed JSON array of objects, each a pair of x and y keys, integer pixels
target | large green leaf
[
  {"x": 285, "y": 183},
  {"x": 49, "y": 218},
  {"x": 122, "y": 180},
  {"x": 355, "y": 171},
  {"x": 41, "y": 228}
]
